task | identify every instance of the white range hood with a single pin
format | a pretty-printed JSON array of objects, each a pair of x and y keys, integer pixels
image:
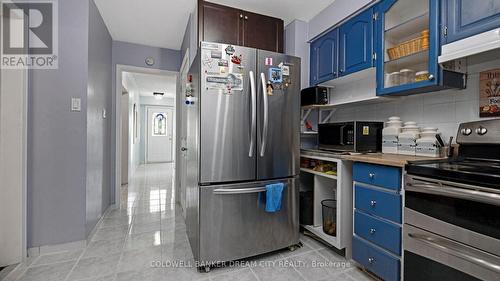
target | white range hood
[{"x": 473, "y": 45}]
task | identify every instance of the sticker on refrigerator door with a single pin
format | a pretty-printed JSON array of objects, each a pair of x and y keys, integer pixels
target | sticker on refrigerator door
[
  {"x": 285, "y": 69},
  {"x": 366, "y": 130},
  {"x": 216, "y": 54},
  {"x": 224, "y": 63},
  {"x": 229, "y": 50},
  {"x": 275, "y": 75},
  {"x": 210, "y": 46},
  {"x": 235, "y": 81},
  {"x": 269, "y": 61},
  {"x": 236, "y": 59}
]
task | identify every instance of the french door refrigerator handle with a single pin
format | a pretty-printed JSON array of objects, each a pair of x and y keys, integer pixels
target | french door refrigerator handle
[
  {"x": 253, "y": 129},
  {"x": 229, "y": 191},
  {"x": 454, "y": 249},
  {"x": 266, "y": 116}
]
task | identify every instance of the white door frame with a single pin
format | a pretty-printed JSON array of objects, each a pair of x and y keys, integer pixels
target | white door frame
[
  {"x": 13, "y": 158},
  {"x": 178, "y": 134},
  {"x": 120, "y": 68},
  {"x": 148, "y": 131}
]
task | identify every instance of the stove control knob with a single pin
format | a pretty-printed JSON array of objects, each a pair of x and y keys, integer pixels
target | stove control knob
[
  {"x": 466, "y": 131},
  {"x": 481, "y": 130}
]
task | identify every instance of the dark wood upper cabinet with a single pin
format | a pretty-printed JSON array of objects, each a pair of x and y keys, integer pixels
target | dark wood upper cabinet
[
  {"x": 262, "y": 32},
  {"x": 222, "y": 24}
]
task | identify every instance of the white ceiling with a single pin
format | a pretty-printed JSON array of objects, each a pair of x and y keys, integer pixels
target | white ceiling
[
  {"x": 161, "y": 23},
  {"x": 147, "y": 84},
  {"x": 288, "y": 10},
  {"x": 157, "y": 23}
]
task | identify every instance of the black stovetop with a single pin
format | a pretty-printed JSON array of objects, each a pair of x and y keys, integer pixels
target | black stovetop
[{"x": 480, "y": 172}]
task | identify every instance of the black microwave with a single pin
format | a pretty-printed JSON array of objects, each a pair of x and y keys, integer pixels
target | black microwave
[
  {"x": 355, "y": 136},
  {"x": 313, "y": 95}
]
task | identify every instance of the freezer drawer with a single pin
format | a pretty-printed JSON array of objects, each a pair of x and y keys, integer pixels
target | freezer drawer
[{"x": 235, "y": 225}]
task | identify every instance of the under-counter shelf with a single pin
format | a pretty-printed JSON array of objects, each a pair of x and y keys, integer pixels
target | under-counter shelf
[
  {"x": 337, "y": 187},
  {"x": 318, "y": 231},
  {"x": 311, "y": 171}
]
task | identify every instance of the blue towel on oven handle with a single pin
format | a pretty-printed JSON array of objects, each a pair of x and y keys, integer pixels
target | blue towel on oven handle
[{"x": 273, "y": 197}]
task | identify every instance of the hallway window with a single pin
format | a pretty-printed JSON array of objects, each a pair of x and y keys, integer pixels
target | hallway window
[{"x": 159, "y": 124}]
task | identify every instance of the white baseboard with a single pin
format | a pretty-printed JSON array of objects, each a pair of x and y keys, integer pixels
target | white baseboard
[
  {"x": 98, "y": 224},
  {"x": 50, "y": 249},
  {"x": 71, "y": 246}
]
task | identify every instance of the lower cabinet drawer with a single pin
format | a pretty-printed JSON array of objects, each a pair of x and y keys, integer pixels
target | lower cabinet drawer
[
  {"x": 384, "y": 234},
  {"x": 382, "y": 176},
  {"x": 379, "y": 203},
  {"x": 375, "y": 260}
]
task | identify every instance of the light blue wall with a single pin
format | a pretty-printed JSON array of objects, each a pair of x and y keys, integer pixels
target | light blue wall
[
  {"x": 190, "y": 40},
  {"x": 296, "y": 34},
  {"x": 98, "y": 128},
  {"x": 68, "y": 152},
  {"x": 135, "y": 55},
  {"x": 57, "y": 138}
]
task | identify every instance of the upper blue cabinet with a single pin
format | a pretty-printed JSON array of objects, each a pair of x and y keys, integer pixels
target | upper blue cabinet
[
  {"x": 324, "y": 58},
  {"x": 408, "y": 46},
  {"x": 356, "y": 43},
  {"x": 465, "y": 18},
  {"x": 344, "y": 50}
]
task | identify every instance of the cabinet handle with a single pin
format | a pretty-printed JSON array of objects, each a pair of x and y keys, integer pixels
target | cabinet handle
[
  {"x": 371, "y": 260},
  {"x": 373, "y": 203},
  {"x": 372, "y": 231},
  {"x": 371, "y": 175},
  {"x": 246, "y": 17},
  {"x": 241, "y": 16}
]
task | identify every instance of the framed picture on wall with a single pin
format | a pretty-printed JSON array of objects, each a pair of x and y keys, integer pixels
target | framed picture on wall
[{"x": 489, "y": 91}]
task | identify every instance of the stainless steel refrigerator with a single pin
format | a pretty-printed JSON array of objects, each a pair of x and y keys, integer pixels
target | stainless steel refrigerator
[{"x": 243, "y": 133}]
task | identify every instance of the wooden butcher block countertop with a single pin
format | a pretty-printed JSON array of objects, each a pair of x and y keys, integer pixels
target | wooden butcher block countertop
[{"x": 395, "y": 160}]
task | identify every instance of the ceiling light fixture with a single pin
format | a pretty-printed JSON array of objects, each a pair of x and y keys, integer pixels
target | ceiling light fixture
[{"x": 158, "y": 96}]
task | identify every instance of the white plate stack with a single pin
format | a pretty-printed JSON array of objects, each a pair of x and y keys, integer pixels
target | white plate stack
[
  {"x": 427, "y": 145},
  {"x": 390, "y": 135},
  {"x": 408, "y": 139}
]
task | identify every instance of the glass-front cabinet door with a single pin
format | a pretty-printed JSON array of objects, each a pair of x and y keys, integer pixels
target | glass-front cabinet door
[{"x": 408, "y": 46}]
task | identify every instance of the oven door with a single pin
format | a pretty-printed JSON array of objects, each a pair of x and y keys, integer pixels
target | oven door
[
  {"x": 451, "y": 225},
  {"x": 431, "y": 257}
]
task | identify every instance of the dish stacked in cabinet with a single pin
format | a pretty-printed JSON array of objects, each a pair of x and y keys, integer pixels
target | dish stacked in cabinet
[{"x": 376, "y": 243}]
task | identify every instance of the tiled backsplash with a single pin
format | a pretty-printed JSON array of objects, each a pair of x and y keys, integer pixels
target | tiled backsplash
[{"x": 444, "y": 109}]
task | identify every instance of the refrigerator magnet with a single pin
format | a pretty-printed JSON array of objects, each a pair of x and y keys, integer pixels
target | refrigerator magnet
[{"x": 229, "y": 50}]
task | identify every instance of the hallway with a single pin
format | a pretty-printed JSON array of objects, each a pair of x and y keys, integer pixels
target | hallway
[{"x": 149, "y": 229}]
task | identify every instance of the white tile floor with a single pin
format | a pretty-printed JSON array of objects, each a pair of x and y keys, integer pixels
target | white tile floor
[{"x": 149, "y": 227}]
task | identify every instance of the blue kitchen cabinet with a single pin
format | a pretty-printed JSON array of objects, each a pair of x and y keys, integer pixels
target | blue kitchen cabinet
[
  {"x": 356, "y": 43},
  {"x": 324, "y": 58},
  {"x": 408, "y": 41},
  {"x": 465, "y": 18},
  {"x": 377, "y": 219}
]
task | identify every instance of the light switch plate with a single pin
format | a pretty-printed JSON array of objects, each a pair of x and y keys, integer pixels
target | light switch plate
[{"x": 76, "y": 104}]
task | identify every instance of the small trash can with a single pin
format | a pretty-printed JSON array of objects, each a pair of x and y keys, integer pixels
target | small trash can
[{"x": 329, "y": 208}]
